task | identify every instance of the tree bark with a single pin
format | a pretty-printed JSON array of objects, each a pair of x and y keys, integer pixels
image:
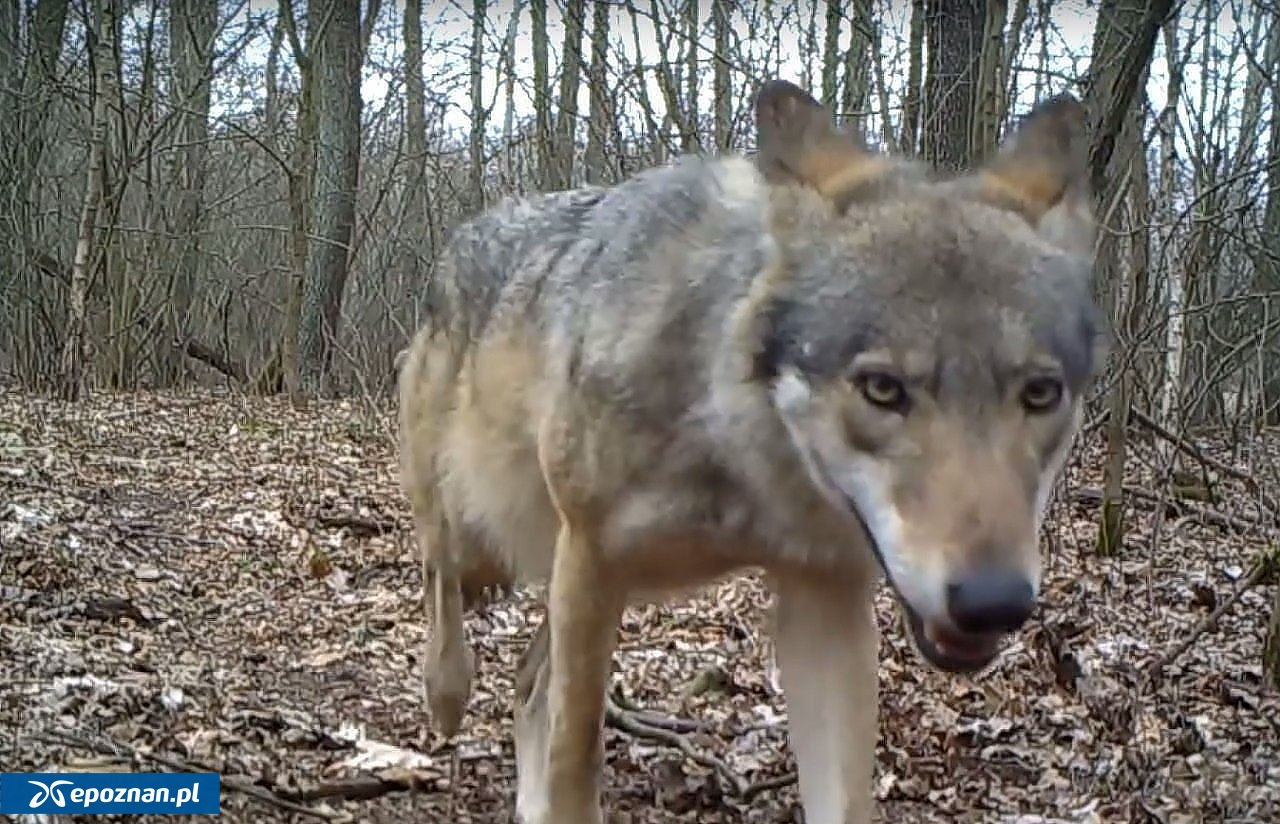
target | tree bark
[
  {"x": 953, "y": 34},
  {"x": 720, "y": 83},
  {"x": 336, "y": 62},
  {"x": 542, "y": 95},
  {"x": 857, "y": 65},
  {"x": 988, "y": 93},
  {"x": 479, "y": 116},
  {"x": 909, "y": 136},
  {"x": 599, "y": 115},
  {"x": 1122, "y": 47},
  {"x": 75, "y": 350},
  {"x": 570, "y": 79},
  {"x": 192, "y": 27}
]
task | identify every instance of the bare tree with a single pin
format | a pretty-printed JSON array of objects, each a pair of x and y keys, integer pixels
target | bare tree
[
  {"x": 75, "y": 349},
  {"x": 1123, "y": 42},
  {"x": 598, "y": 117},
  {"x": 720, "y": 84},
  {"x": 337, "y": 59},
  {"x": 567, "y": 116},
  {"x": 988, "y": 100},
  {"x": 543, "y": 136},
  {"x": 953, "y": 36},
  {"x": 479, "y": 114},
  {"x": 192, "y": 26},
  {"x": 858, "y": 59},
  {"x": 909, "y": 136}
]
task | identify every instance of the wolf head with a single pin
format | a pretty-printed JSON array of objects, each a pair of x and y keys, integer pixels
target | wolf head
[{"x": 927, "y": 345}]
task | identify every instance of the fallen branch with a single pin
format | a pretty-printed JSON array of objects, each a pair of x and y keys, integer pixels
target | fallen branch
[
  {"x": 359, "y": 525},
  {"x": 1192, "y": 451},
  {"x": 630, "y": 721},
  {"x": 364, "y": 787},
  {"x": 1211, "y": 516},
  {"x": 1267, "y": 565},
  {"x": 111, "y": 747},
  {"x": 207, "y": 355}
]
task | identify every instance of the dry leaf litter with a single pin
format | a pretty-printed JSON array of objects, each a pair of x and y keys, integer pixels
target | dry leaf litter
[{"x": 205, "y": 581}]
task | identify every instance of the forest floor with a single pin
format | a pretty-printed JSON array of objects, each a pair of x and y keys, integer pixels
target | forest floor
[{"x": 204, "y": 581}]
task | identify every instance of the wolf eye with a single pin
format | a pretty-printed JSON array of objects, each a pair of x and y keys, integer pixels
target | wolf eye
[
  {"x": 1041, "y": 394},
  {"x": 883, "y": 390}
]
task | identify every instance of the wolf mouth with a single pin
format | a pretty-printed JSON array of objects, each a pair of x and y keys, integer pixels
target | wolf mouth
[{"x": 947, "y": 649}]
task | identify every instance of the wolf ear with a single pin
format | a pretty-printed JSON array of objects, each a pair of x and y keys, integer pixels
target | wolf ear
[
  {"x": 798, "y": 142},
  {"x": 1042, "y": 173}
]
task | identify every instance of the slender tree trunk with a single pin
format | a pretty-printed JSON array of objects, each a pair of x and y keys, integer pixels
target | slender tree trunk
[
  {"x": 570, "y": 74},
  {"x": 599, "y": 115},
  {"x": 1122, "y": 46},
  {"x": 953, "y": 33},
  {"x": 857, "y": 65},
  {"x": 192, "y": 27},
  {"x": 692, "y": 141},
  {"x": 831, "y": 52},
  {"x": 985, "y": 133},
  {"x": 1172, "y": 264},
  {"x": 297, "y": 194},
  {"x": 909, "y": 141},
  {"x": 508, "y": 74},
  {"x": 337, "y": 60},
  {"x": 1267, "y": 268},
  {"x": 542, "y": 96},
  {"x": 479, "y": 117},
  {"x": 415, "y": 230},
  {"x": 720, "y": 22},
  {"x": 75, "y": 351}
]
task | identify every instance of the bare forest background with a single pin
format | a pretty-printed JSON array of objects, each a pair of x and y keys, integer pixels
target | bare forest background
[
  {"x": 217, "y": 223},
  {"x": 199, "y": 191}
]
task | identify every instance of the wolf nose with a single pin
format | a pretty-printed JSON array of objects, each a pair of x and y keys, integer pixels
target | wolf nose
[{"x": 990, "y": 601}]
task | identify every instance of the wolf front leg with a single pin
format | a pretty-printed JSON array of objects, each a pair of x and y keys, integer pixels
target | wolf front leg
[
  {"x": 564, "y": 675},
  {"x": 827, "y": 649}
]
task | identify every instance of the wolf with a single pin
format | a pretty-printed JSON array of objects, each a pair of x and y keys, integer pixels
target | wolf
[{"x": 825, "y": 362}]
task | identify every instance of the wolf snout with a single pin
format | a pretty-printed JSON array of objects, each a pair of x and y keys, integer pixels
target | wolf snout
[{"x": 990, "y": 601}]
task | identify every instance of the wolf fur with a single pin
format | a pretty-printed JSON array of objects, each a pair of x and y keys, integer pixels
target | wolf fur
[{"x": 826, "y": 363}]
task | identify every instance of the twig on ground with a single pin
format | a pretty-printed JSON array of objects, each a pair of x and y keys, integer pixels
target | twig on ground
[
  {"x": 633, "y": 722},
  {"x": 359, "y": 525},
  {"x": 1262, "y": 568},
  {"x": 1209, "y": 515},
  {"x": 1194, "y": 452},
  {"x": 108, "y": 746}
]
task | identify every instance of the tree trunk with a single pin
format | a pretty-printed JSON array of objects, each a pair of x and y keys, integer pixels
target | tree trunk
[
  {"x": 598, "y": 116},
  {"x": 953, "y": 34},
  {"x": 1267, "y": 268},
  {"x": 336, "y": 63},
  {"x": 570, "y": 74},
  {"x": 1171, "y": 262},
  {"x": 192, "y": 27},
  {"x": 414, "y": 229},
  {"x": 692, "y": 140},
  {"x": 75, "y": 351},
  {"x": 720, "y": 88},
  {"x": 479, "y": 117},
  {"x": 909, "y": 139},
  {"x": 1123, "y": 42},
  {"x": 830, "y": 52},
  {"x": 298, "y": 189},
  {"x": 542, "y": 96},
  {"x": 508, "y": 73},
  {"x": 988, "y": 89},
  {"x": 857, "y": 66},
  {"x": 1122, "y": 47}
]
